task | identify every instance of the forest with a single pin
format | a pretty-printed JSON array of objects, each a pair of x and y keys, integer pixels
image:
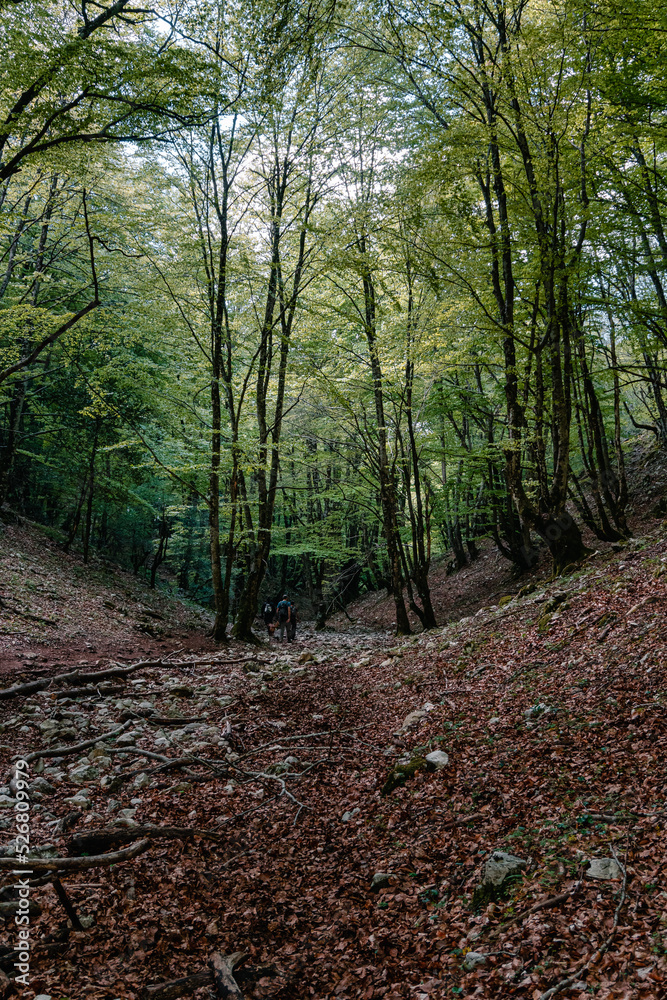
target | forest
[
  {"x": 364, "y": 303},
  {"x": 309, "y": 295}
]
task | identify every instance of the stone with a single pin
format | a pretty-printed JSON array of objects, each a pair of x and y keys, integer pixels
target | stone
[
  {"x": 536, "y": 710},
  {"x": 501, "y": 865},
  {"x": 44, "y": 851},
  {"x": 125, "y": 818},
  {"x": 97, "y": 752},
  {"x": 437, "y": 759},
  {"x": 43, "y": 996},
  {"x": 494, "y": 721},
  {"x": 182, "y": 691},
  {"x": 41, "y": 785},
  {"x": 380, "y": 881},
  {"x": 6, "y": 802},
  {"x": 142, "y": 780},
  {"x": 81, "y": 773},
  {"x": 603, "y": 869},
  {"x": 126, "y": 740},
  {"x": 411, "y": 720},
  {"x": 79, "y": 801},
  {"x": 473, "y": 960},
  {"x": 350, "y": 814},
  {"x": 402, "y": 770}
]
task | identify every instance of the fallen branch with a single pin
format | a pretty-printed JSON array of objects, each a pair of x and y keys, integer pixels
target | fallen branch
[
  {"x": 101, "y": 840},
  {"x": 76, "y": 864},
  {"x": 545, "y": 904},
  {"x": 88, "y": 692},
  {"x": 175, "y": 988},
  {"x": 306, "y": 736},
  {"x": 169, "y": 763},
  {"x": 212, "y": 662},
  {"x": 77, "y": 747},
  {"x": 222, "y": 967},
  {"x": 599, "y": 952},
  {"x": 178, "y": 987},
  {"x": 75, "y": 677},
  {"x": 66, "y": 904},
  {"x": 158, "y": 720},
  {"x": 449, "y": 824}
]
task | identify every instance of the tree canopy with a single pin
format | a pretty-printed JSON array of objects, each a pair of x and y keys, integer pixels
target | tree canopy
[{"x": 308, "y": 296}]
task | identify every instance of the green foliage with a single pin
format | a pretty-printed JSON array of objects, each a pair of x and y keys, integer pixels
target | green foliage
[{"x": 410, "y": 272}]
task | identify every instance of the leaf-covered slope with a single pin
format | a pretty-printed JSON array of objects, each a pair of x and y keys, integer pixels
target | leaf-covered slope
[
  {"x": 551, "y": 711},
  {"x": 52, "y": 607}
]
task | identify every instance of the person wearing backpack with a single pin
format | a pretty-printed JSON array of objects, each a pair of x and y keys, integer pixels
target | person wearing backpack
[
  {"x": 284, "y": 612},
  {"x": 291, "y": 626},
  {"x": 267, "y": 615}
]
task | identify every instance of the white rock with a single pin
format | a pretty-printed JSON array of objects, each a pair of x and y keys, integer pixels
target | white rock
[
  {"x": 603, "y": 869},
  {"x": 380, "y": 881},
  {"x": 80, "y": 801},
  {"x": 412, "y": 719},
  {"x": 126, "y": 740},
  {"x": 437, "y": 759},
  {"x": 473, "y": 960},
  {"x": 82, "y": 773},
  {"x": 42, "y": 785},
  {"x": 500, "y": 865},
  {"x": 350, "y": 814},
  {"x": 142, "y": 780},
  {"x": 125, "y": 818}
]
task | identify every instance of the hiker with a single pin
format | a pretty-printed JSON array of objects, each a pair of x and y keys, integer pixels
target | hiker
[
  {"x": 292, "y": 623},
  {"x": 267, "y": 615},
  {"x": 284, "y": 612}
]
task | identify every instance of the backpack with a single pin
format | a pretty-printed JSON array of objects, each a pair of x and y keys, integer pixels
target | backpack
[
  {"x": 283, "y": 611},
  {"x": 268, "y": 609}
]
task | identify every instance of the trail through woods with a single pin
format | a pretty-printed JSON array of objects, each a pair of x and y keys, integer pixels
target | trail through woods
[{"x": 249, "y": 783}]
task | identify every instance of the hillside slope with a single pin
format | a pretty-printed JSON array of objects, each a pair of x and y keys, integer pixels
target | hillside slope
[{"x": 55, "y": 609}]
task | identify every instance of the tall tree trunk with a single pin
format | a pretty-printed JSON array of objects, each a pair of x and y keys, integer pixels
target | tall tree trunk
[{"x": 91, "y": 490}]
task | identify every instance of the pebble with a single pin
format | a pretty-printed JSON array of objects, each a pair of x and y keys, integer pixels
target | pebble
[
  {"x": 473, "y": 960},
  {"x": 380, "y": 881}
]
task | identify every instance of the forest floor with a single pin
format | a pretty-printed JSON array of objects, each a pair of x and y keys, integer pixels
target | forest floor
[{"x": 550, "y": 708}]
